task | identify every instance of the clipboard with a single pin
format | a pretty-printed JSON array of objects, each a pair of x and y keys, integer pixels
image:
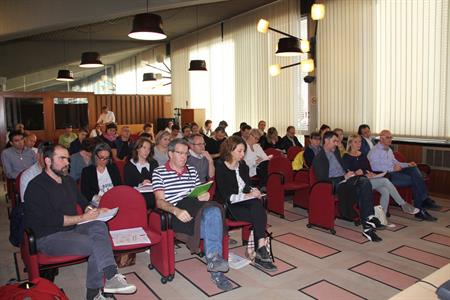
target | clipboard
[{"x": 201, "y": 189}]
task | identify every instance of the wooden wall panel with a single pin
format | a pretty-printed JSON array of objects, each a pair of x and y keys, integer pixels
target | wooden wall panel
[
  {"x": 412, "y": 152},
  {"x": 439, "y": 183}
]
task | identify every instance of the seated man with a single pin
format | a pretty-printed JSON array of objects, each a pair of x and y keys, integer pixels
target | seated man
[
  {"x": 75, "y": 146},
  {"x": 367, "y": 141},
  {"x": 328, "y": 166},
  {"x": 17, "y": 158},
  {"x": 51, "y": 200},
  {"x": 124, "y": 144},
  {"x": 244, "y": 131},
  {"x": 200, "y": 159},
  {"x": 213, "y": 143},
  {"x": 30, "y": 140},
  {"x": 382, "y": 159},
  {"x": 289, "y": 140},
  {"x": 67, "y": 137},
  {"x": 195, "y": 217},
  {"x": 313, "y": 148}
]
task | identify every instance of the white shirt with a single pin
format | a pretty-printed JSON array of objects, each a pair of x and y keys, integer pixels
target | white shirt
[
  {"x": 140, "y": 166},
  {"x": 104, "y": 182},
  {"x": 109, "y": 117},
  {"x": 369, "y": 141},
  {"x": 252, "y": 155}
]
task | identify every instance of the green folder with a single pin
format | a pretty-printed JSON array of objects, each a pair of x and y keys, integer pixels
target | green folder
[{"x": 201, "y": 189}]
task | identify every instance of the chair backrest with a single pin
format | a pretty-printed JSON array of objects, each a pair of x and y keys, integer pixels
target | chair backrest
[
  {"x": 293, "y": 151},
  {"x": 399, "y": 156},
  {"x": 274, "y": 152},
  {"x": 120, "y": 164},
  {"x": 282, "y": 165},
  {"x": 132, "y": 208},
  {"x": 312, "y": 177}
]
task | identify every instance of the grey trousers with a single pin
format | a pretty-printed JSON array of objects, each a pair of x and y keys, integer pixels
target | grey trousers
[
  {"x": 89, "y": 239},
  {"x": 386, "y": 189}
]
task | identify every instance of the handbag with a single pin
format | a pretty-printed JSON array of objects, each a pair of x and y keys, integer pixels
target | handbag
[
  {"x": 125, "y": 259},
  {"x": 380, "y": 214}
]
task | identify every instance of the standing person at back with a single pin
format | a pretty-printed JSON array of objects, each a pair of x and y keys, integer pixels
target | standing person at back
[{"x": 106, "y": 116}]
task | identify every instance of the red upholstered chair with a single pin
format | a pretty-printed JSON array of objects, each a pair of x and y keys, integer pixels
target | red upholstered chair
[
  {"x": 293, "y": 151},
  {"x": 133, "y": 213},
  {"x": 120, "y": 164},
  {"x": 274, "y": 152},
  {"x": 35, "y": 262},
  {"x": 322, "y": 204},
  {"x": 281, "y": 178}
]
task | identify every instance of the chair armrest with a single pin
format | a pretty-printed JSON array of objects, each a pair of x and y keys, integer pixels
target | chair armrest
[
  {"x": 161, "y": 216},
  {"x": 320, "y": 182},
  {"x": 31, "y": 239},
  {"x": 302, "y": 175},
  {"x": 277, "y": 174},
  {"x": 426, "y": 169}
]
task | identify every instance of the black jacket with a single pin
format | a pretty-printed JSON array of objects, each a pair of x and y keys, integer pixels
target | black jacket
[
  {"x": 286, "y": 143},
  {"x": 89, "y": 181},
  {"x": 133, "y": 177},
  {"x": 226, "y": 182}
]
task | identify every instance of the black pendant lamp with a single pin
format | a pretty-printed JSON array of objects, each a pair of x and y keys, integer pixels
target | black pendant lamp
[
  {"x": 65, "y": 75},
  {"x": 197, "y": 65},
  {"x": 147, "y": 27},
  {"x": 288, "y": 46},
  {"x": 90, "y": 60},
  {"x": 149, "y": 77}
]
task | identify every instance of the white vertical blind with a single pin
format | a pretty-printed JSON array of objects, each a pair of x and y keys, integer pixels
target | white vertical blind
[
  {"x": 238, "y": 86},
  {"x": 412, "y": 60},
  {"x": 345, "y": 68}
]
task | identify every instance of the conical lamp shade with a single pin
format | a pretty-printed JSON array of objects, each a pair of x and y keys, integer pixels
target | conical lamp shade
[
  {"x": 197, "y": 65},
  {"x": 147, "y": 27},
  {"x": 90, "y": 60},
  {"x": 65, "y": 75},
  {"x": 149, "y": 77},
  {"x": 288, "y": 47}
]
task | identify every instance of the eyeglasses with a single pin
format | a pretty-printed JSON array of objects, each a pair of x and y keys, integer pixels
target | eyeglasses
[
  {"x": 181, "y": 153},
  {"x": 103, "y": 157},
  {"x": 199, "y": 144},
  {"x": 255, "y": 137},
  {"x": 388, "y": 137}
]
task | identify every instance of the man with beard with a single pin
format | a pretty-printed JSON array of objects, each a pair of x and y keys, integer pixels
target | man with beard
[{"x": 51, "y": 200}]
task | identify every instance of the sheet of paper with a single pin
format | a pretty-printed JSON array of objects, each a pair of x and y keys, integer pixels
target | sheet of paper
[
  {"x": 378, "y": 175},
  {"x": 131, "y": 236},
  {"x": 148, "y": 188},
  {"x": 106, "y": 216}
]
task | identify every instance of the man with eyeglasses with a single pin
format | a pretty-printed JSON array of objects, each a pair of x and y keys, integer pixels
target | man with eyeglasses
[
  {"x": 195, "y": 217},
  {"x": 382, "y": 159},
  {"x": 17, "y": 158},
  {"x": 51, "y": 200},
  {"x": 290, "y": 140},
  {"x": 200, "y": 159}
]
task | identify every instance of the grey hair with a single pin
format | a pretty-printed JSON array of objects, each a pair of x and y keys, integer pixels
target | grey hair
[
  {"x": 193, "y": 136},
  {"x": 176, "y": 142},
  {"x": 101, "y": 147}
]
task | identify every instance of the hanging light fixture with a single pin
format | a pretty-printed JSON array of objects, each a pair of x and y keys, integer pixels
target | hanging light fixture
[
  {"x": 317, "y": 12},
  {"x": 288, "y": 47},
  {"x": 147, "y": 27},
  {"x": 197, "y": 64},
  {"x": 307, "y": 65},
  {"x": 90, "y": 60},
  {"x": 65, "y": 74},
  {"x": 149, "y": 77},
  {"x": 305, "y": 46}
]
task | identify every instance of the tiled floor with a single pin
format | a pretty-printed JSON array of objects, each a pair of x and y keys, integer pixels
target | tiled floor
[{"x": 313, "y": 264}]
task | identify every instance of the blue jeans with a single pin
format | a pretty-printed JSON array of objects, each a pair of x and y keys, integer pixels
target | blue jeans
[
  {"x": 411, "y": 177},
  {"x": 211, "y": 231}
]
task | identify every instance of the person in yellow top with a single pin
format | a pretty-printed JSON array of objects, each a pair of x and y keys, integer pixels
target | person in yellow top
[{"x": 67, "y": 137}]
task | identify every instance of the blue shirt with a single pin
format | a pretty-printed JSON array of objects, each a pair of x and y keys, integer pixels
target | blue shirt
[
  {"x": 15, "y": 161},
  {"x": 335, "y": 169},
  {"x": 382, "y": 159}
]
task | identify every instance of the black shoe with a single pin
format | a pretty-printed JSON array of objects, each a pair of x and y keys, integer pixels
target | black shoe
[
  {"x": 375, "y": 223},
  {"x": 265, "y": 265},
  {"x": 424, "y": 216},
  {"x": 371, "y": 235},
  {"x": 263, "y": 255},
  {"x": 431, "y": 204},
  {"x": 388, "y": 214}
]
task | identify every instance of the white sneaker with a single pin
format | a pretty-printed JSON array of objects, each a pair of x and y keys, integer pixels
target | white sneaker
[
  {"x": 118, "y": 284},
  {"x": 101, "y": 297}
]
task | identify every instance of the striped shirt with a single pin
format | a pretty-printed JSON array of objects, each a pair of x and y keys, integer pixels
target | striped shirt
[{"x": 176, "y": 186}]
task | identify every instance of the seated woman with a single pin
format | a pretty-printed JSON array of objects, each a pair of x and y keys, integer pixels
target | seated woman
[
  {"x": 100, "y": 177},
  {"x": 139, "y": 169},
  {"x": 243, "y": 204},
  {"x": 162, "y": 141},
  {"x": 355, "y": 161},
  {"x": 110, "y": 135},
  {"x": 255, "y": 157},
  {"x": 271, "y": 140}
]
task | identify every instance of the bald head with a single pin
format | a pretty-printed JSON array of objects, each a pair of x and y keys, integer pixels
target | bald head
[{"x": 386, "y": 137}]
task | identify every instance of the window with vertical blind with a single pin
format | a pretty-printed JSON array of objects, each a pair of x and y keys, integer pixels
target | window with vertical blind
[{"x": 385, "y": 63}]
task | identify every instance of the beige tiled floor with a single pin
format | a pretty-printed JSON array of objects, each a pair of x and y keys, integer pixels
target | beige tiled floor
[{"x": 258, "y": 285}]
